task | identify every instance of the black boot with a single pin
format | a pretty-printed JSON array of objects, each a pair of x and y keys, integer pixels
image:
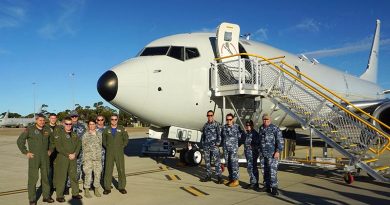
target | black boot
[
  {"x": 264, "y": 189},
  {"x": 275, "y": 191},
  {"x": 219, "y": 180},
  {"x": 206, "y": 179}
]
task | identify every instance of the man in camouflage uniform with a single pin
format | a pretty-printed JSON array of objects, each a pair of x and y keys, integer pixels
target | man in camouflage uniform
[
  {"x": 37, "y": 137},
  {"x": 92, "y": 154},
  {"x": 68, "y": 145},
  {"x": 100, "y": 128},
  {"x": 231, "y": 134},
  {"x": 251, "y": 149},
  {"x": 271, "y": 144},
  {"x": 211, "y": 140},
  {"x": 79, "y": 129},
  {"x": 52, "y": 125},
  {"x": 115, "y": 139}
]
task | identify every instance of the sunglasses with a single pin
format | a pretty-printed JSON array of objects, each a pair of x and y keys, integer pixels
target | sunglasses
[
  {"x": 248, "y": 125},
  {"x": 229, "y": 119},
  {"x": 114, "y": 119},
  {"x": 74, "y": 116},
  {"x": 69, "y": 124},
  {"x": 209, "y": 115},
  {"x": 100, "y": 120}
]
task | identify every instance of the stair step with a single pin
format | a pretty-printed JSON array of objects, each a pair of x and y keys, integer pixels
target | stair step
[
  {"x": 370, "y": 160},
  {"x": 381, "y": 168}
]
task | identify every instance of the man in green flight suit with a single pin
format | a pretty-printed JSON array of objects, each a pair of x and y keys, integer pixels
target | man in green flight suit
[
  {"x": 68, "y": 146},
  {"x": 115, "y": 139},
  {"x": 37, "y": 137}
]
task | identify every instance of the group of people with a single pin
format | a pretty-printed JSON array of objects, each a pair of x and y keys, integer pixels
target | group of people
[
  {"x": 67, "y": 153},
  {"x": 265, "y": 144}
]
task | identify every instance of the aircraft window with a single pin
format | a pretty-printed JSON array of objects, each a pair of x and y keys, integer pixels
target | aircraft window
[
  {"x": 155, "y": 51},
  {"x": 176, "y": 52},
  {"x": 192, "y": 53}
]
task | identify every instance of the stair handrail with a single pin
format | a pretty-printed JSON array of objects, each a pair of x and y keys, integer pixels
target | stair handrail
[{"x": 323, "y": 95}]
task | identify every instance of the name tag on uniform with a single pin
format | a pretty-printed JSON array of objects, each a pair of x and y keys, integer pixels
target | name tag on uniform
[
  {"x": 56, "y": 137},
  {"x": 36, "y": 132},
  {"x": 119, "y": 130}
]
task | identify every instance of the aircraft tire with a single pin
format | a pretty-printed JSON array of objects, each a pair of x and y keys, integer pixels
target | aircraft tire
[
  {"x": 348, "y": 178},
  {"x": 183, "y": 155},
  {"x": 172, "y": 152},
  {"x": 193, "y": 157}
]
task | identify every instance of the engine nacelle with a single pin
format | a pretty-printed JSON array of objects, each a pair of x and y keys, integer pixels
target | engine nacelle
[{"x": 382, "y": 113}]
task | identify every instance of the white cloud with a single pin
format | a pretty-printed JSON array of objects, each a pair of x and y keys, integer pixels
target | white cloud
[
  {"x": 64, "y": 23},
  {"x": 363, "y": 45},
  {"x": 307, "y": 25},
  {"x": 206, "y": 30},
  {"x": 11, "y": 15},
  {"x": 4, "y": 52},
  {"x": 261, "y": 34}
]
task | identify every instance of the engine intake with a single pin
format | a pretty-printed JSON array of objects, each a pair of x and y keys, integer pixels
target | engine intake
[{"x": 382, "y": 113}]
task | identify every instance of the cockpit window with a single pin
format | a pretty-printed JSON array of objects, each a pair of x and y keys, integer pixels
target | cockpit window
[
  {"x": 176, "y": 52},
  {"x": 155, "y": 51},
  {"x": 191, "y": 53}
]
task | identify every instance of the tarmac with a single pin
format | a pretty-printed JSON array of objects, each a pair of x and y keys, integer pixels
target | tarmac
[{"x": 161, "y": 180}]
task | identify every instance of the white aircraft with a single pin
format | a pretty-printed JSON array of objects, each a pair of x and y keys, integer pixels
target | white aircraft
[
  {"x": 16, "y": 122},
  {"x": 175, "y": 80}
]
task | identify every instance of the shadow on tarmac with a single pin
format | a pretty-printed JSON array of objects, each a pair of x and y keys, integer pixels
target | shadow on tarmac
[{"x": 134, "y": 148}]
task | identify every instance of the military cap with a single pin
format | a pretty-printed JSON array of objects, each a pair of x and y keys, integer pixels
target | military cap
[{"x": 266, "y": 116}]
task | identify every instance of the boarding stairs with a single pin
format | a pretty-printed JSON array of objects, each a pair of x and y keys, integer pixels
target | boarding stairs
[{"x": 308, "y": 102}]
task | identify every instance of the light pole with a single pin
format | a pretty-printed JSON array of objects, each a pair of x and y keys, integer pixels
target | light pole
[
  {"x": 72, "y": 88},
  {"x": 34, "y": 83}
]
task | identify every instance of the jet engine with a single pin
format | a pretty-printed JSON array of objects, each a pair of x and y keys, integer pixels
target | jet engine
[{"x": 382, "y": 113}]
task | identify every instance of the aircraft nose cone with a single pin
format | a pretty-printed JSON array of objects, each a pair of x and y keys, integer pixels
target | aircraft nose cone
[{"x": 107, "y": 85}]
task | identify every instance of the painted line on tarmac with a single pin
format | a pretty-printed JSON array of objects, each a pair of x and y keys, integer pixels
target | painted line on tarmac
[
  {"x": 19, "y": 191},
  {"x": 172, "y": 177},
  {"x": 194, "y": 191}
]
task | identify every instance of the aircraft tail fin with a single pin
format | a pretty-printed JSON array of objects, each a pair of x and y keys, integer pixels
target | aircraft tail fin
[
  {"x": 6, "y": 115},
  {"x": 371, "y": 73}
]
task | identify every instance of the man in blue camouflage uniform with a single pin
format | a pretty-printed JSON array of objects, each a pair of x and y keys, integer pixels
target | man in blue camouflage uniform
[
  {"x": 211, "y": 140},
  {"x": 251, "y": 149},
  {"x": 271, "y": 144},
  {"x": 79, "y": 129},
  {"x": 231, "y": 134}
]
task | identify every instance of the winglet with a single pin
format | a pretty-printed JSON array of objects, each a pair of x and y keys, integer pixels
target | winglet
[{"x": 371, "y": 73}]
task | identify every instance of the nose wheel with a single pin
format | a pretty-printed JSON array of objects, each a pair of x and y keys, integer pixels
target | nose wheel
[{"x": 191, "y": 157}]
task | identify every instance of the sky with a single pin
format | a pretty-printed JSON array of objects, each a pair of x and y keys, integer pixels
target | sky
[{"x": 54, "y": 51}]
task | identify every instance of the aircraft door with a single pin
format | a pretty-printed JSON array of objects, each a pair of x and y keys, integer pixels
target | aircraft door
[{"x": 227, "y": 40}]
